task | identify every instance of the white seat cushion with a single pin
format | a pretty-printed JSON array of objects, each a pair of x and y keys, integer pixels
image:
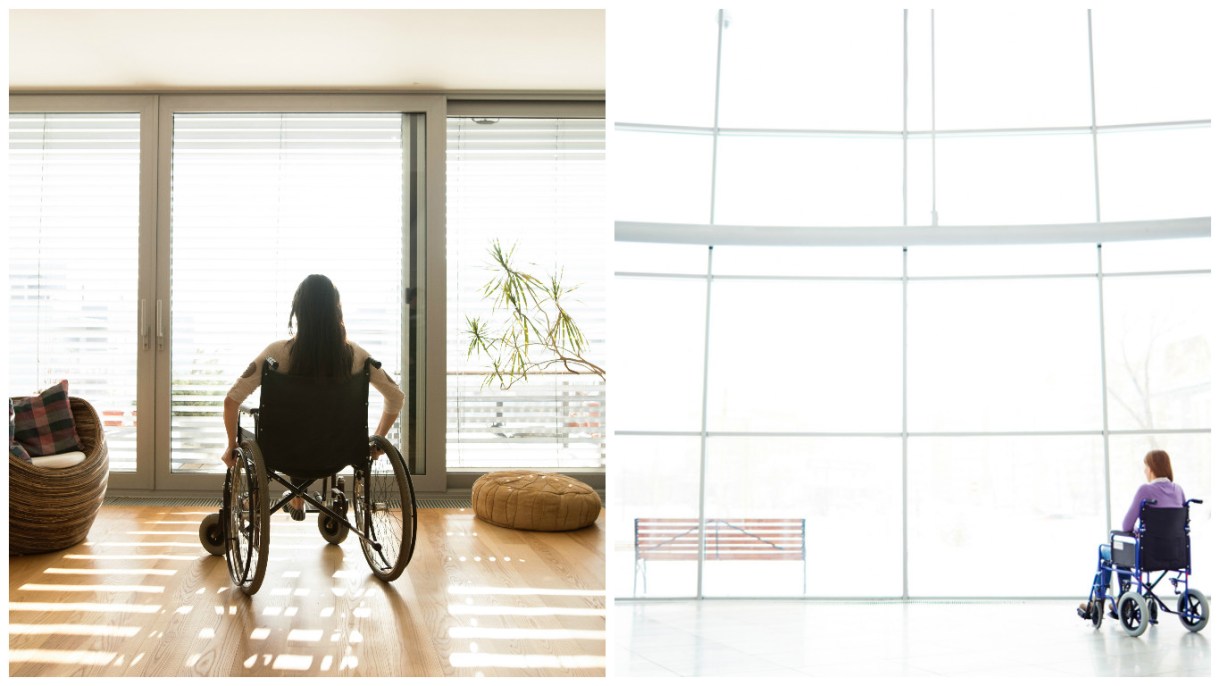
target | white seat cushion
[{"x": 59, "y": 461}]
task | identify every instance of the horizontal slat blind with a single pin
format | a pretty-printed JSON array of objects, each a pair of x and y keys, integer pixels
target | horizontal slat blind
[
  {"x": 538, "y": 184},
  {"x": 260, "y": 201},
  {"x": 73, "y": 249}
]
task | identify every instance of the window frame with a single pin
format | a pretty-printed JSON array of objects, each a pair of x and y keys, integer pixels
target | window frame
[
  {"x": 156, "y": 111},
  {"x": 146, "y": 107},
  {"x": 489, "y": 106}
]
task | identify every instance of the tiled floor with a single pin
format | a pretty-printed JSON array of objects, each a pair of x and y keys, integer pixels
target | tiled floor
[{"x": 813, "y": 638}]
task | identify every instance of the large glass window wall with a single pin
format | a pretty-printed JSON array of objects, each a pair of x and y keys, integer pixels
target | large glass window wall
[{"x": 902, "y": 300}]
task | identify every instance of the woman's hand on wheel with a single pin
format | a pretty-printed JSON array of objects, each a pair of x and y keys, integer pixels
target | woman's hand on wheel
[{"x": 229, "y": 457}]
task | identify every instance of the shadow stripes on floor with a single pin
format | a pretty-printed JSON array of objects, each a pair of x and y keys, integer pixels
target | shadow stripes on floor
[{"x": 437, "y": 502}]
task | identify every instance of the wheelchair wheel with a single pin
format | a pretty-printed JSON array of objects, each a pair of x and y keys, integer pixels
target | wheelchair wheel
[
  {"x": 1193, "y": 610},
  {"x": 1097, "y": 612},
  {"x": 212, "y": 535},
  {"x": 249, "y": 521},
  {"x": 1133, "y": 613},
  {"x": 332, "y": 529},
  {"x": 384, "y": 503}
]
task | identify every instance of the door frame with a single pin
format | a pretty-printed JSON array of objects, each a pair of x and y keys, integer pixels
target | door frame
[{"x": 428, "y": 253}]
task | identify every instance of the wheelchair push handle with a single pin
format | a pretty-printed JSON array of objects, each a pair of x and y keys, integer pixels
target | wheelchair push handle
[{"x": 1197, "y": 501}]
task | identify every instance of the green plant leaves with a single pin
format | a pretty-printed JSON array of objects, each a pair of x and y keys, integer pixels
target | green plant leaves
[{"x": 538, "y": 332}]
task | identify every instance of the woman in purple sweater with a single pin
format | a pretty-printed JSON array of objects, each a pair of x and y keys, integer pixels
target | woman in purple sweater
[{"x": 1160, "y": 488}]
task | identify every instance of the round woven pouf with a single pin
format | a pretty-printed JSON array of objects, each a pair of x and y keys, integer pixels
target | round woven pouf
[{"x": 534, "y": 501}]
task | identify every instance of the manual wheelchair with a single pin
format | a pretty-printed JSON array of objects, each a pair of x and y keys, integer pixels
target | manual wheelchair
[
  {"x": 307, "y": 429},
  {"x": 1162, "y": 545}
]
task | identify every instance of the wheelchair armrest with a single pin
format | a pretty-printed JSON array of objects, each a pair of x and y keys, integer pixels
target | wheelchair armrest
[{"x": 246, "y": 409}]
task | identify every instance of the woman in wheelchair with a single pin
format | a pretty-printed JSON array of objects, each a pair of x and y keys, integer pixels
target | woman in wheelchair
[
  {"x": 1162, "y": 510},
  {"x": 312, "y": 424},
  {"x": 319, "y": 349}
]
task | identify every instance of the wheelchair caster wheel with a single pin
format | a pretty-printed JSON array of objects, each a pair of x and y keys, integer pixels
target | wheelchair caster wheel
[
  {"x": 1133, "y": 613},
  {"x": 1097, "y": 611},
  {"x": 331, "y": 530},
  {"x": 1193, "y": 610},
  {"x": 211, "y": 535}
]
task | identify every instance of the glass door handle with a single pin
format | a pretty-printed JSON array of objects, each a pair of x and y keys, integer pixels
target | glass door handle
[
  {"x": 145, "y": 334},
  {"x": 160, "y": 327}
]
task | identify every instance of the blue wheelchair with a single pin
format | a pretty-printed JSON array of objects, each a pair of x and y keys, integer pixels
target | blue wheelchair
[{"x": 1162, "y": 545}]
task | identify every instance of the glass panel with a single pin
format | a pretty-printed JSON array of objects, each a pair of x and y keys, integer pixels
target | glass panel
[
  {"x": 1191, "y": 458},
  {"x": 1155, "y": 174},
  {"x": 841, "y": 68},
  {"x": 654, "y": 477},
  {"x": 984, "y": 509},
  {"x": 805, "y": 356},
  {"x": 662, "y": 177},
  {"x": 808, "y": 261},
  {"x": 1014, "y": 179},
  {"x": 920, "y": 182},
  {"x": 840, "y": 487},
  {"x": 72, "y": 251},
  {"x": 658, "y": 353},
  {"x": 809, "y": 181},
  {"x": 1149, "y": 256},
  {"x": 1003, "y": 69},
  {"x": 538, "y": 187},
  {"x": 1020, "y": 355},
  {"x": 1001, "y": 260},
  {"x": 660, "y": 258},
  {"x": 1153, "y": 66},
  {"x": 1158, "y": 361},
  {"x": 664, "y": 66},
  {"x": 265, "y": 200}
]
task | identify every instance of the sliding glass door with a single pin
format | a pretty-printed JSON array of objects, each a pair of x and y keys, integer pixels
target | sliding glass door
[
  {"x": 263, "y": 192},
  {"x": 79, "y": 229},
  {"x": 156, "y": 243}
]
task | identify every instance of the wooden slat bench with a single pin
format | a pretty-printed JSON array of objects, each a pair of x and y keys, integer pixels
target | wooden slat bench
[{"x": 725, "y": 539}]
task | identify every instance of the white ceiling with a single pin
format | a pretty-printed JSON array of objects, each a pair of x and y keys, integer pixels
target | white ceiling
[{"x": 303, "y": 49}]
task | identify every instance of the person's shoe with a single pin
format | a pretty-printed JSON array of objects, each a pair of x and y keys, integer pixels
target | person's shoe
[
  {"x": 297, "y": 514},
  {"x": 1113, "y": 611},
  {"x": 1083, "y": 610}
]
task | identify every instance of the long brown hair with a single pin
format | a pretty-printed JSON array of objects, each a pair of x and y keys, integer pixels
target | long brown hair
[
  {"x": 1158, "y": 462},
  {"x": 320, "y": 346}
]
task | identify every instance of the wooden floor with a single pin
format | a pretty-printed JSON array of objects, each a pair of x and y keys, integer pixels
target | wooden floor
[{"x": 142, "y": 598}]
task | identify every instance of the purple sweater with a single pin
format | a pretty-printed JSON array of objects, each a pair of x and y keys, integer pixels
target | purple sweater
[{"x": 1166, "y": 494}]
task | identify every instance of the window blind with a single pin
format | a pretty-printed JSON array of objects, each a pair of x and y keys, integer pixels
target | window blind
[
  {"x": 73, "y": 249},
  {"x": 538, "y": 185},
  {"x": 259, "y": 201}
]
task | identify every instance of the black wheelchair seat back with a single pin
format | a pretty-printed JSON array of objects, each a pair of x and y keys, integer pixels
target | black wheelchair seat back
[
  {"x": 1164, "y": 542},
  {"x": 310, "y": 427}
]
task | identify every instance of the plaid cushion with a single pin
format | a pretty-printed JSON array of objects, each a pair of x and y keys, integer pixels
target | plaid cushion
[
  {"x": 43, "y": 423},
  {"x": 15, "y": 449}
]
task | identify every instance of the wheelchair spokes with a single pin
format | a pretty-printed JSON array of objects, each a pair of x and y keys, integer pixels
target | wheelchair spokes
[
  {"x": 1133, "y": 613},
  {"x": 1193, "y": 610},
  {"x": 248, "y": 520},
  {"x": 384, "y": 504}
]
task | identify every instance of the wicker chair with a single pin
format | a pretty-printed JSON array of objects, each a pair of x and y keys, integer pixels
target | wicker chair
[{"x": 53, "y": 509}]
